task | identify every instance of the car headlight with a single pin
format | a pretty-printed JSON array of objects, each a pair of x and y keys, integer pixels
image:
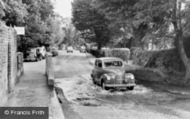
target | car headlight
[
  {"x": 110, "y": 76},
  {"x": 130, "y": 76}
]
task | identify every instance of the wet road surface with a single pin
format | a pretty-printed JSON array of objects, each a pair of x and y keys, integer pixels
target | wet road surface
[{"x": 84, "y": 100}]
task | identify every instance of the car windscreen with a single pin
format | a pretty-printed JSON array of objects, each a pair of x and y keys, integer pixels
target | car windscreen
[{"x": 113, "y": 64}]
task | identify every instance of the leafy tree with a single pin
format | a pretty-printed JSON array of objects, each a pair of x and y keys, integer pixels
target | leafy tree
[
  {"x": 2, "y": 7},
  {"x": 153, "y": 17},
  {"x": 57, "y": 32},
  {"x": 15, "y": 12},
  {"x": 163, "y": 13},
  {"x": 121, "y": 15},
  {"x": 87, "y": 17},
  {"x": 71, "y": 35},
  {"x": 135, "y": 17},
  {"x": 38, "y": 27},
  {"x": 180, "y": 20}
]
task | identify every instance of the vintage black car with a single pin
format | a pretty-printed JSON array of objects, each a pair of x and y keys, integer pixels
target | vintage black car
[{"x": 109, "y": 72}]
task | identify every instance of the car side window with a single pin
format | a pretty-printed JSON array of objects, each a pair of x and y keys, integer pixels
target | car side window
[{"x": 100, "y": 64}]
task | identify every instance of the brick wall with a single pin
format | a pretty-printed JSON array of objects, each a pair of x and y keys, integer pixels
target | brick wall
[
  {"x": 3, "y": 62},
  {"x": 8, "y": 61},
  {"x": 12, "y": 59}
]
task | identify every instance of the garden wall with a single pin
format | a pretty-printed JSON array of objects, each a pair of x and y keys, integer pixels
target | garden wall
[{"x": 8, "y": 61}]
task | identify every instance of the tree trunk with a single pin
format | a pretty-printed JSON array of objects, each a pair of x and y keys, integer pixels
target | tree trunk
[
  {"x": 183, "y": 56},
  {"x": 179, "y": 38},
  {"x": 187, "y": 76},
  {"x": 99, "y": 46}
]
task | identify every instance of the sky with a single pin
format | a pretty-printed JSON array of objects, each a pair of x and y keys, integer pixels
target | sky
[{"x": 63, "y": 8}]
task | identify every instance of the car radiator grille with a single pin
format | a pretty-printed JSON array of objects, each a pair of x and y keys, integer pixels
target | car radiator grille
[{"x": 119, "y": 80}]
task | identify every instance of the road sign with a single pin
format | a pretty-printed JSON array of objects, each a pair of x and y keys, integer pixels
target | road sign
[{"x": 20, "y": 30}]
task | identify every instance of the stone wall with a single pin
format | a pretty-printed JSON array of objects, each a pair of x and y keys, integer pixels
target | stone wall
[{"x": 8, "y": 61}]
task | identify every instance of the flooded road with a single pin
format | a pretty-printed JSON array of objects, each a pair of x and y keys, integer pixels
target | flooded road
[{"x": 84, "y": 100}]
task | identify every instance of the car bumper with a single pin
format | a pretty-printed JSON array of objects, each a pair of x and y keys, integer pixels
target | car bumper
[
  {"x": 120, "y": 85},
  {"x": 82, "y": 50},
  {"x": 29, "y": 59}
]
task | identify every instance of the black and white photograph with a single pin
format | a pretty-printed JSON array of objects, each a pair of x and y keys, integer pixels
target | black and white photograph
[{"x": 94, "y": 59}]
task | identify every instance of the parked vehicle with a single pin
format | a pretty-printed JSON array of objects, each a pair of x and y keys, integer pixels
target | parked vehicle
[
  {"x": 69, "y": 49},
  {"x": 31, "y": 56},
  {"x": 109, "y": 72},
  {"x": 82, "y": 49},
  {"x": 41, "y": 52}
]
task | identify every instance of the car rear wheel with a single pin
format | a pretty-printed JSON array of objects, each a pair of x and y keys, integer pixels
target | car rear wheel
[{"x": 130, "y": 88}]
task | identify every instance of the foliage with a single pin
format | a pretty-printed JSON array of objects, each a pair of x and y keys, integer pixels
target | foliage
[
  {"x": 133, "y": 50},
  {"x": 15, "y": 12},
  {"x": 2, "y": 7},
  {"x": 71, "y": 35},
  {"x": 87, "y": 17},
  {"x": 57, "y": 31},
  {"x": 133, "y": 17},
  {"x": 96, "y": 53},
  {"x": 151, "y": 19},
  {"x": 165, "y": 60},
  {"x": 149, "y": 74},
  {"x": 123, "y": 53},
  {"x": 40, "y": 24}
]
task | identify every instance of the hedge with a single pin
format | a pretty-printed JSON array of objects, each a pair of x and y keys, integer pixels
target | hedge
[
  {"x": 123, "y": 53},
  {"x": 95, "y": 53},
  {"x": 156, "y": 75},
  {"x": 149, "y": 74},
  {"x": 133, "y": 50},
  {"x": 165, "y": 60}
]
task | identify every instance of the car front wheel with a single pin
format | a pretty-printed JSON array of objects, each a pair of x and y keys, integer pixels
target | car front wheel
[{"x": 104, "y": 86}]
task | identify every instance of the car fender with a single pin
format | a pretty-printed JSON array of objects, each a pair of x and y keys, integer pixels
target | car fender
[{"x": 102, "y": 78}]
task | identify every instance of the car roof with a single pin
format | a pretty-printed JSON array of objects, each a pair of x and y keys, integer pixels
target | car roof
[{"x": 109, "y": 58}]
